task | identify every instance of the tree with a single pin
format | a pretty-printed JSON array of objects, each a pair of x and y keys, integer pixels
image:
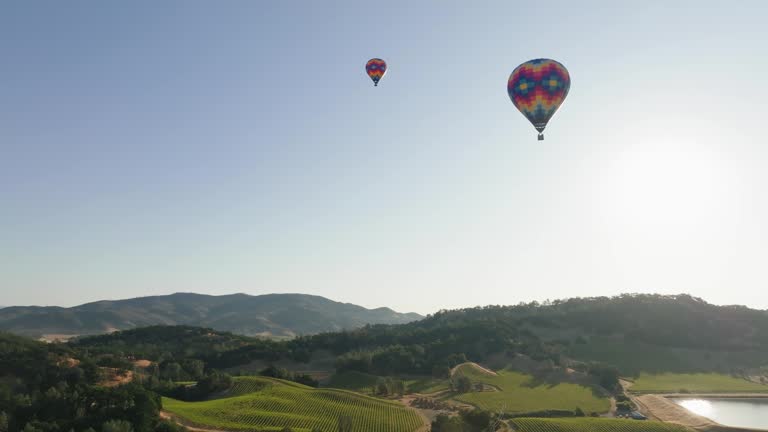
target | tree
[
  {"x": 345, "y": 423},
  {"x": 146, "y": 407},
  {"x": 398, "y": 387},
  {"x": 578, "y": 412},
  {"x": 3, "y": 421},
  {"x": 382, "y": 388},
  {"x": 444, "y": 423},
  {"x": 607, "y": 376},
  {"x": 275, "y": 372},
  {"x": 195, "y": 368},
  {"x": 476, "y": 420},
  {"x": 456, "y": 359},
  {"x": 117, "y": 426},
  {"x": 171, "y": 371},
  {"x": 463, "y": 384},
  {"x": 167, "y": 426},
  {"x": 441, "y": 371}
]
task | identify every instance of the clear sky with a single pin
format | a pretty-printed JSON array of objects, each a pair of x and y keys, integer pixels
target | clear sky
[{"x": 217, "y": 147}]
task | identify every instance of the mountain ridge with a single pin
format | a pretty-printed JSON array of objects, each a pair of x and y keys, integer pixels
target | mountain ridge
[{"x": 282, "y": 315}]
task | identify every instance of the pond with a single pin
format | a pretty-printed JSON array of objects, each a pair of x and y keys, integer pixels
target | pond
[{"x": 747, "y": 413}]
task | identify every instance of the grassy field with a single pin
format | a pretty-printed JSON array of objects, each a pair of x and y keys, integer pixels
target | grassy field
[
  {"x": 592, "y": 425},
  {"x": 267, "y": 404},
  {"x": 517, "y": 393},
  {"x": 696, "y": 383}
]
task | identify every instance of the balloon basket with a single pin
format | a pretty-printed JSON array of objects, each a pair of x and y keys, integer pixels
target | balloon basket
[{"x": 541, "y": 137}]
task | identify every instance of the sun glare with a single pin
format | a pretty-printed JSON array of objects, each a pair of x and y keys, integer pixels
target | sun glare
[
  {"x": 665, "y": 185},
  {"x": 698, "y": 406}
]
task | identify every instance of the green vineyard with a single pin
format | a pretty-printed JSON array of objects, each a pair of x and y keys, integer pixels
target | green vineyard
[
  {"x": 266, "y": 404},
  {"x": 591, "y": 425},
  {"x": 517, "y": 393}
]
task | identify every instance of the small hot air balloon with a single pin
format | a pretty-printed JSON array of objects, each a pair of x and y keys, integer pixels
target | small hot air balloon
[
  {"x": 376, "y": 68},
  {"x": 537, "y": 88}
]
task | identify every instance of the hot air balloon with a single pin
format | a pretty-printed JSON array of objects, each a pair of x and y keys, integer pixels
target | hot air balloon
[
  {"x": 376, "y": 68},
  {"x": 537, "y": 88}
]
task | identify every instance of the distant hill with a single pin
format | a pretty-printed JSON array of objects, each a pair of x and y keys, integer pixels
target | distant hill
[
  {"x": 637, "y": 334},
  {"x": 281, "y": 315}
]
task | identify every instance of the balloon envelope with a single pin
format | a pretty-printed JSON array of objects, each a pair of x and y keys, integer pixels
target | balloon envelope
[
  {"x": 376, "y": 68},
  {"x": 537, "y": 88}
]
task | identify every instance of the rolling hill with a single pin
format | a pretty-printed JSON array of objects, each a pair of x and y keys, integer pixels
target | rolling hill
[
  {"x": 514, "y": 392},
  {"x": 264, "y": 404},
  {"x": 271, "y": 315}
]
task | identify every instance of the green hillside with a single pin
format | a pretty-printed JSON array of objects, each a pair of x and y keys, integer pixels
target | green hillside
[
  {"x": 697, "y": 383},
  {"x": 270, "y": 404},
  {"x": 591, "y": 425},
  {"x": 519, "y": 393}
]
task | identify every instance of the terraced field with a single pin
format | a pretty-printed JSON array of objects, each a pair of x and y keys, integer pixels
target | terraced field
[
  {"x": 266, "y": 404},
  {"x": 517, "y": 393},
  {"x": 695, "y": 383},
  {"x": 592, "y": 425}
]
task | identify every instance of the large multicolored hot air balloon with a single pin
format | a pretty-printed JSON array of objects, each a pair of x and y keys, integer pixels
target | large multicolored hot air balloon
[
  {"x": 376, "y": 68},
  {"x": 537, "y": 88}
]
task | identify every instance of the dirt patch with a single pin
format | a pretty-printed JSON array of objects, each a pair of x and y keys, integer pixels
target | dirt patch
[
  {"x": 660, "y": 408},
  {"x": 474, "y": 365},
  {"x": 142, "y": 363},
  {"x": 50, "y": 338},
  {"x": 427, "y": 415},
  {"x": 165, "y": 415},
  {"x": 113, "y": 377},
  {"x": 69, "y": 362}
]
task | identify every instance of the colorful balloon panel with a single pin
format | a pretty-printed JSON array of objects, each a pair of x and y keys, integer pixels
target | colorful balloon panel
[
  {"x": 537, "y": 88},
  {"x": 376, "y": 68}
]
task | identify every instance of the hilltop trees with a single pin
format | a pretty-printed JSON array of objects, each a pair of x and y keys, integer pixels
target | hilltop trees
[
  {"x": 388, "y": 386},
  {"x": 463, "y": 384},
  {"x": 282, "y": 373},
  {"x": 448, "y": 338},
  {"x": 607, "y": 376},
  {"x": 467, "y": 421},
  {"x": 43, "y": 389},
  {"x": 117, "y": 426}
]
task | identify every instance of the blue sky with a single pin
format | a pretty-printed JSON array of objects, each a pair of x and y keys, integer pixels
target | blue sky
[{"x": 155, "y": 147}]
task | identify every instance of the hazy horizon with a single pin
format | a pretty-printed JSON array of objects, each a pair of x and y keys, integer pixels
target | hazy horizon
[
  {"x": 150, "y": 148},
  {"x": 429, "y": 312}
]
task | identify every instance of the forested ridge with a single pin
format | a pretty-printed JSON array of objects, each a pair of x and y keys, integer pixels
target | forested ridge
[
  {"x": 61, "y": 387},
  {"x": 546, "y": 331}
]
